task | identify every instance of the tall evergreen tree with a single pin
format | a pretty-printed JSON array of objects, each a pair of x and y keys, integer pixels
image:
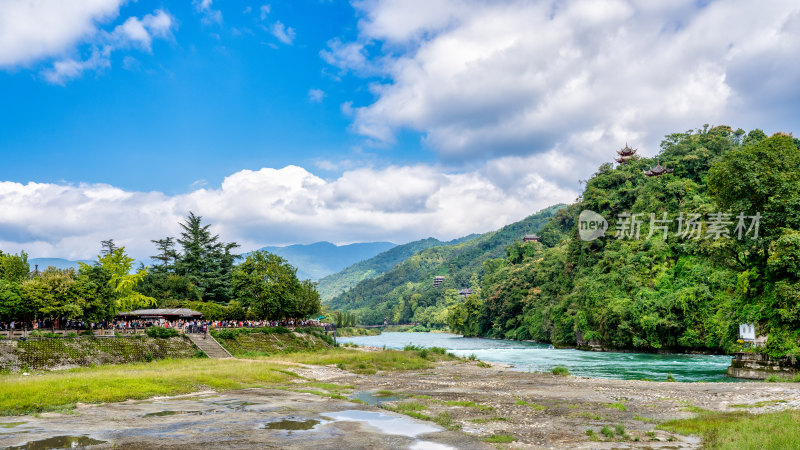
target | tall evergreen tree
[
  {"x": 167, "y": 255},
  {"x": 206, "y": 261}
]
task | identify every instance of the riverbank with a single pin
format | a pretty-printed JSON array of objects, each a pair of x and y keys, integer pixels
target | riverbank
[{"x": 470, "y": 403}]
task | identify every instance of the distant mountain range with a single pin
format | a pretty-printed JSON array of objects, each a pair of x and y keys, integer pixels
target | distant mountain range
[
  {"x": 314, "y": 261},
  {"x": 334, "y": 284},
  {"x": 58, "y": 263}
]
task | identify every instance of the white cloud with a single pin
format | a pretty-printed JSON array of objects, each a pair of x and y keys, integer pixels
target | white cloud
[
  {"x": 282, "y": 32},
  {"x": 481, "y": 79},
  {"x": 132, "y": 33},
  {"x": 33, "y": 30},
  {"x": 68, "y": 69},
  {"x": 275, "y": 206},
  {"x": 264, "y": 11},
  {"x": 316, "y": 95},
  {"x": 210, "y": 15}
]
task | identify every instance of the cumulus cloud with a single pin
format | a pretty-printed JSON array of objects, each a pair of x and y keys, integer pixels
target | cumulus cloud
[
  {"x": 45, "y": 29},
  {"x": 485, "y": 79},
  {"x": 33, "y": 30},
  {"x": 276, "y": 206},
  {"x": 282, "y": 32}
]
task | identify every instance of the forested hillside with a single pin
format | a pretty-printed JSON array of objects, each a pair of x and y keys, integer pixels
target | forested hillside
[
  {"x": 406, "y": 293},
  {"x": 688, "y": 290},
  {"x": 334, "y": 284}
]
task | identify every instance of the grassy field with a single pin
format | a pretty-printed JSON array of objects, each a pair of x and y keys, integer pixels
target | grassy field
[
  {"x": 61, "y": 390},
  {"x": 356, "y": 331},
  {"x": 364, "y": 362},
  {"x": 742, "y": 430}
]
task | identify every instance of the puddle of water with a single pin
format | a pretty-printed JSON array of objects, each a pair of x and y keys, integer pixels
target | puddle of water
[
  {"x": 59, "y": 442},
  {"x": 385, "y": 423},
  {"x": 292, "y": 424},
  {"x": 371, "y": 398},
  {"x": 11, "y": 424}
]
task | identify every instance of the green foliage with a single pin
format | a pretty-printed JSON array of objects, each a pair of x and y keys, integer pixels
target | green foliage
[
  {"x": 741, "y": 430},
  {"x": 205, "y": 261},
  {"x": 337, "y": 283},
  {"x": 118, "y": 265},
  {"x": 656, "y": 293},
  {"x": 344, "y": 319},
  {"x": 14, "y": 268},
  {"x": 267, "y": 285},
  {"x": 499, "y": 439},
  {"x": 560, "y": 370},
  {"x": 161, "y": 332},
  {"x": 406, "y": 293}
]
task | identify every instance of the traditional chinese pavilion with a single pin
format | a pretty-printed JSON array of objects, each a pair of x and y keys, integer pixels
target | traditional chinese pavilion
[
  {"x": 626, "y": 155},
  {"x": 657, "y": 171}
]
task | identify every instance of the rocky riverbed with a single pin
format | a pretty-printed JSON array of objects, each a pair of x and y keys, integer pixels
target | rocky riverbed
[{"x": 467, "y": 404}]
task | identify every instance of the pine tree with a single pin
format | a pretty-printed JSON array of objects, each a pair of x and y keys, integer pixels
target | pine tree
[
  {"x": 167, "y": 255},
  {"x": 206, "y": 261}
]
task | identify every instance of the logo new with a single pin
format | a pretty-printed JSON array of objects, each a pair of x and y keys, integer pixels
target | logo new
[{"x": 591, "y": 225}]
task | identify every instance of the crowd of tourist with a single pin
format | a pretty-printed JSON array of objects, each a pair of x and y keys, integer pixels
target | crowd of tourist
[{"x": 187, "y": 326}]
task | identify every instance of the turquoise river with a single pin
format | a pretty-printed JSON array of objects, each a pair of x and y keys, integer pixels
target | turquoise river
[{"x": 533, "y": 357}]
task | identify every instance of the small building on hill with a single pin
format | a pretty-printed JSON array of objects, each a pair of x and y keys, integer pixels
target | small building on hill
[
  {"x": 626, "y": 155},
  {"x": 657, "y": 171},
  {"x": 169, "y": 314},
  {"x": 437, "y": 281},
  {"x": 465, "y": 292},
  {"x": 530, "y": 238}
]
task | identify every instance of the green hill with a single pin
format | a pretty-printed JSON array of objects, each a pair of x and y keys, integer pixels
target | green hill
[
  {"x": 334, "y": 284},
  {"x": 406, "y": 293},
  {"x": 689, "y": 290}
]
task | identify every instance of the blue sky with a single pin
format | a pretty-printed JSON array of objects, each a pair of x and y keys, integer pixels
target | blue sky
[
  {"x": 300, "y": 121},
  {"x": 210, "y": 99}
]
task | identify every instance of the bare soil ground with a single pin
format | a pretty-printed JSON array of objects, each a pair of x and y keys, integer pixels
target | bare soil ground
[{"x": 550, "y": 411}]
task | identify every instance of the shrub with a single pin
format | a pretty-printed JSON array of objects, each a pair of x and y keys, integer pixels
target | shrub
[
  {"x": 161, "y": 332},
  {"x": 560, "y": 370},
  {"x": 607, "y": 432}
]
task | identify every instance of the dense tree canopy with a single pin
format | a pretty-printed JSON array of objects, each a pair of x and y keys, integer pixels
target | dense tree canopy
[
  {"x": 200, "y": 275},
  {"x": 675, "y": 291}
]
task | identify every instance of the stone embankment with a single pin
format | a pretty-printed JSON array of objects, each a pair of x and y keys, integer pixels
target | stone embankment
[
  {"x": 58, "y": 353},
  {"x": 757, "y": 366}
]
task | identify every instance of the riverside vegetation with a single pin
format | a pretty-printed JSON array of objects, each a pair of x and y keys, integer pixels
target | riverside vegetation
[
  {"x": 196, "y": 270},
  {"x": 643, "y": 294}
]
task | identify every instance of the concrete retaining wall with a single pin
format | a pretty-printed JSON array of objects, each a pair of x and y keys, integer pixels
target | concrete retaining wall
[{"x": 757, "y": 366}]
